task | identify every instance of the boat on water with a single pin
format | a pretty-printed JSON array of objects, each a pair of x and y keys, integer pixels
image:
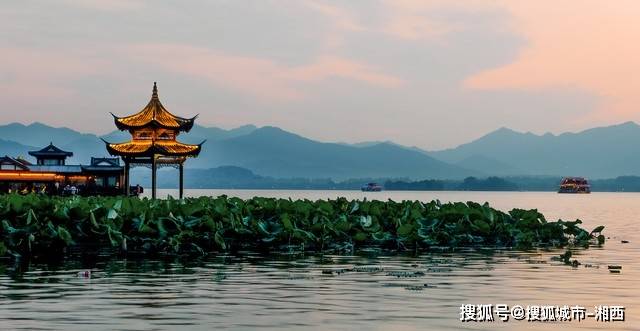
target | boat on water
[
  {"x": 371, "y": 187},
  {"x": 574, "y": 185}
]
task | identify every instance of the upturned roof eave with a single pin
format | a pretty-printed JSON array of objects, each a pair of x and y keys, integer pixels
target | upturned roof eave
[
  {"x": 151, "y": 150},
  {"x": 185, "y": 126}
]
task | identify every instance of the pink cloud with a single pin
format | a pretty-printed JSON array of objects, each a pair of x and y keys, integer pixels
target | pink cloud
[
  {"x": 106, "y": 5},
  {"x": 408, "y": 19},
  {"x": 257, "y": 76},
  {"x": 342, "y": 18},
  {"x": 38, "y": 85},
  {"x": 30, "y": 74},
  {"x": 585, "y": 44},
  {"x": 404, "y": 19},
  {"x": 332, "y": 66}
]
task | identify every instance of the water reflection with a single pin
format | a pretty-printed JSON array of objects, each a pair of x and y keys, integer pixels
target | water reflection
[
  {"x": 400, "y": 292},
  {"x": 343, "y": 292}
]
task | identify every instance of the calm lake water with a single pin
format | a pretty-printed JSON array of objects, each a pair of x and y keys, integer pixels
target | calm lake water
[{"x": 283, "y": 292}]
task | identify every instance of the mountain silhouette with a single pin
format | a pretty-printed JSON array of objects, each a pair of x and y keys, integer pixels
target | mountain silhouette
[
  {"x": 271, "y": 151},
  {"x": 602, "y": 152},
  {"x": 267, "y": 151}
]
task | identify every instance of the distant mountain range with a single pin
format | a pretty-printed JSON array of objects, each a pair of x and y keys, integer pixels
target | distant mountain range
[
  {"x": 17, "y": 139},
  {"x": 271, "y": 151},
  {"x": 602, "y": 152},
  {"x": 267, "y": 151}
]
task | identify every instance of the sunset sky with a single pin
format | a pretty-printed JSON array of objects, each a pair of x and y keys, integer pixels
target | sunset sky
[{"x": 419, "y": 72}]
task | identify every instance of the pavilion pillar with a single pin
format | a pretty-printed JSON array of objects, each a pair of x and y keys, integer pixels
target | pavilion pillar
[
  {"x": 153, "y": 177},
  {"x": 127, "y": 186},
  {"x": 181, "y": 190}
]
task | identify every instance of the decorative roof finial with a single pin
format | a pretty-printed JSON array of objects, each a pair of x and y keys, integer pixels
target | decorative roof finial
[{"x": 155, "y": 91}]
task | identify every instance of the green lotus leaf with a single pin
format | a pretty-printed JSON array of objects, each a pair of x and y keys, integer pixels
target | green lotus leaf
[
  {"x": 112, "y": 214},
  {"x": 354, "y": 207},
  {"x": 481, "y": 226},
  {"x": 198, "y": 225},
  {"x": 360, "y": 236},
  {"x": 405, "y": 229},
  {"x": 365, "y": 221},
  {"x": 286, "y": 222},
  {"x": 64, "y": 235},
  {"x": 31, "y": 216},
  {"x": 220, "y": 241}
]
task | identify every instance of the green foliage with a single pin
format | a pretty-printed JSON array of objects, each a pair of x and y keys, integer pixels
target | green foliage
[{"x": 35, "y": 224}]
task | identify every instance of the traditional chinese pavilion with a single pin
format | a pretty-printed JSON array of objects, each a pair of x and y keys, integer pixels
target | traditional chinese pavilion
[
  {"x": 51, "y": 156},
  {"x": 153, "y": 141}
]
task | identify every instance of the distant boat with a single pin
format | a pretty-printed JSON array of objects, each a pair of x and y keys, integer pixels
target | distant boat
[
  {"x": 371, "y": 187},
  {"x": 574, "y": 185}
]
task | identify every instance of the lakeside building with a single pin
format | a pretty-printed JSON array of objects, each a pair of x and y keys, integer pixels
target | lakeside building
[
  {"x": 153, "y": 144},
  {"x": 52, "y": 175},
  {"x": 153, "y": 141}
]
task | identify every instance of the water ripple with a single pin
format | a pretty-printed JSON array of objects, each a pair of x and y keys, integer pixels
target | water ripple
[{"x": 386, "y": 292}]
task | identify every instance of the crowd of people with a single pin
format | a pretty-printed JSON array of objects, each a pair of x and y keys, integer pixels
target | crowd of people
[
  {"x": 69, "y": 189},
  {"x": 44, "y": 188}
]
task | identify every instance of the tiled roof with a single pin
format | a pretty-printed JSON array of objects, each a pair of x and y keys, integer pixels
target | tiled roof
[
  {"x": 15, "y": 162},
  {"x": 105, "y": 161},
  {"x": 148, "y": 147},
  {"x": 56, "y": 168},
  {"x": 154, "y": 114},
  {"x": 50, "y": 150}
]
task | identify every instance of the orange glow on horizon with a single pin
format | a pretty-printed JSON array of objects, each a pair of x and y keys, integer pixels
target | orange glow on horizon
[{"x": 13, "y": 175}]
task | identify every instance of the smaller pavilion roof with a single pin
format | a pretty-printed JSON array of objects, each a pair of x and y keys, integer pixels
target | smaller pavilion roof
[{"x": 51, "y": 151}]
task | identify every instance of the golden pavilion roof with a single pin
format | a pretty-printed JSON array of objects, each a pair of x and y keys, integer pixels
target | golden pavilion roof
[
  {"x": 154, "y": 114},
  {"x": 151, "y": 147}
]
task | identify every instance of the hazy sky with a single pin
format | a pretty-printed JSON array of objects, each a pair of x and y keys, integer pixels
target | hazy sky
[{"x": 419, "y": 72}]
